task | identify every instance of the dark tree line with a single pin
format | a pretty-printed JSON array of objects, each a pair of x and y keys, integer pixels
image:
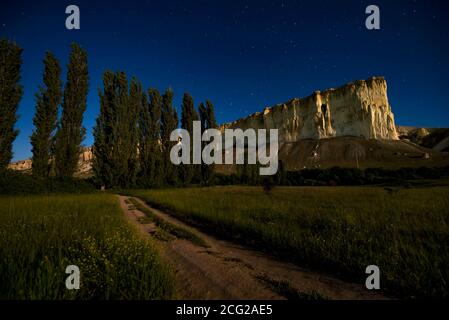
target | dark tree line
[
  {"x": 132, "y": 135},
  {"x": 132, "y": 132}
]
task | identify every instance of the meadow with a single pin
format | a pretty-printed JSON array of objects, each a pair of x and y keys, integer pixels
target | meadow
[
  {"x": 339, "y": 230},
  {"x": 41, "y": 235}
]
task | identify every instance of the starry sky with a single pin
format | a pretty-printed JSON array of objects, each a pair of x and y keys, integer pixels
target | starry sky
[{"x": 242, "y": 55}]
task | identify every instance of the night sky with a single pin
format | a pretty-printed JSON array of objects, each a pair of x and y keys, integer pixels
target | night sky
[{"x": 242, "y": 55}]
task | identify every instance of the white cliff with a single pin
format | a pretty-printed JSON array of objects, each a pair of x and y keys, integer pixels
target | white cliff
[
  {"x": 359, "y": 109},
  {"x": 83, "y": 170}
]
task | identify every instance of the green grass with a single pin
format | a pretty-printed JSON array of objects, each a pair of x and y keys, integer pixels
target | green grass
[
  {"x": 167, "y": 227},
  {"x": 340, "y": 230},
  {"x": 41, "y": 235}
]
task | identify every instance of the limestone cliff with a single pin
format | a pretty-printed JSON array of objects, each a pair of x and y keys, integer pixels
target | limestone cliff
[
  {"x": 359, "y": 109},
  {"x": 83, "y": 170}
]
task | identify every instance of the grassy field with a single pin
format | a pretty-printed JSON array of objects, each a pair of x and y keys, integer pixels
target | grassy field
[
  {"x": 340, "y": 230},
  {"x": 41, "y": 235}
]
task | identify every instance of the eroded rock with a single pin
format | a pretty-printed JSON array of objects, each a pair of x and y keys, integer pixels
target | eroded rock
[{"x": 359, "y": 109}]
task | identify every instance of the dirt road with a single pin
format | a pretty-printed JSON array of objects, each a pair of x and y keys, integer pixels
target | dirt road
[{"x": 224, "y": 270}]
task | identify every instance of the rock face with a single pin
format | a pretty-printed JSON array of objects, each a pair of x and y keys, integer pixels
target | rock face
[
  {"x": 436, "y": 139},
  {"x": 22, "y": 165},
  {"x": 84, "y": 164},
  {"x": 358, "y": 109}
]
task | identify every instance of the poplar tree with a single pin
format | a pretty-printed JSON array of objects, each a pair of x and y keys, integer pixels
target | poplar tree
[
  {"x": 104, "y": 133},
  {"x": 157, "y": 168},
  {"x": 119, "y": 132},
  {"x": 150, "y": 152},
  {"x": 131, "y": 131},
  {"x": 188, "y": 115},
  {"x": 116, "y": 132},
  {"x": 169, "y": 122},
  {"x": 46, "y": 116},
  {"x": 71, "y": 133},
  {"x": 145, "y": 140},
  {"x": 207, "y": 116},
  {"x": 212, "y": 124},
  {"x": 10, "y": 95}
]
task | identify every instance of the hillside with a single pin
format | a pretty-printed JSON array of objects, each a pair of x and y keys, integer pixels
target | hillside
[
  {"x": 432, "y": 138},
  {"x": 358, "y": 152}
]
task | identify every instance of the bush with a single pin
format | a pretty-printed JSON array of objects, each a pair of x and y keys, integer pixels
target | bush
[
  {"x": 340, "y": 176},
  {"x": 12, "y": 182}
]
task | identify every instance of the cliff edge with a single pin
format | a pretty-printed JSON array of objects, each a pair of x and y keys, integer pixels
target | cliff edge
[{"x": 358, "y": 109}]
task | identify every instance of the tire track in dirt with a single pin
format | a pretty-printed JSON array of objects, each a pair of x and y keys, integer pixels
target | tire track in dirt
[{"x": 225, "y": 270}]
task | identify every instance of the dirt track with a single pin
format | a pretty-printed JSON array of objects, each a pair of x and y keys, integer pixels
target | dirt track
[{"x": 225, "y": 270}]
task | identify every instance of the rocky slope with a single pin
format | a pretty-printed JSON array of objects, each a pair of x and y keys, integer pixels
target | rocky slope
[
  {"x": 359, "y": 152},
  {"x": 436, "y": 139},
  {"x": 84, "y": 164}
]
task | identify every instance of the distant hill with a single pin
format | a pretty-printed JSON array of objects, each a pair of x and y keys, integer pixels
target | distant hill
[
  {"x": 84, "y": 164},
  {"x": 358, "y": 152},
  {"x": 436, "y": 139}
]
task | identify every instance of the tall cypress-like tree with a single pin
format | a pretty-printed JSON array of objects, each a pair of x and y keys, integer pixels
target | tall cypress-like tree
[
  {"x": 188, "y": 115},
  {"x": 150, "y": 152},
  {"x": 103, "y": 133},
  {"x": 120, "y": 127},
  {"x": 211, "y": 124},
  {"x": 134, "y": 106},
  {"x": 116, "y": 131},
  {"x": 157, "y": 168},
  {"x": 211, "y": 121},
  {"x": 203, "y": 118},
  {"x": 145, "y": 141},
  {"x": 71, "y": 133},
  {"x": 169, "y": 122},
  {"x": 207, "y": 116},
  {"x": 10, "y": 95},
  {"x": 46, "y": 116}
]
